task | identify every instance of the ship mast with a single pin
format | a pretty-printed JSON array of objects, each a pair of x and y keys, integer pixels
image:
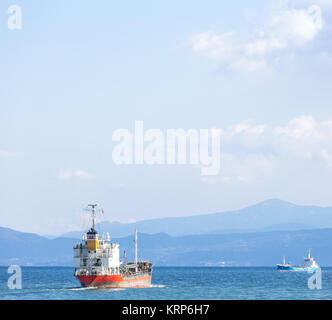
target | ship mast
[
  {"x": 93, "y": 211},
  {"x": 136, "y": 248}
]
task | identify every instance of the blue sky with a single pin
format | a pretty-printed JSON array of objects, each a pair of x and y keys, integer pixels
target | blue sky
[{"x": 78, "y": 70}]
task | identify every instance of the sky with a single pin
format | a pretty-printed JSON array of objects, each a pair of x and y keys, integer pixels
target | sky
[{"x": 259, "y": 72}]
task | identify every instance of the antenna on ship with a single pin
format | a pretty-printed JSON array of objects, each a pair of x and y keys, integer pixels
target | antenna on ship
[{"x": 92, "y": 208}]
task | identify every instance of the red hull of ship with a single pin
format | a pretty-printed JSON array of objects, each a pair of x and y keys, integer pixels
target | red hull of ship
[{"x": 115, "y": 281}]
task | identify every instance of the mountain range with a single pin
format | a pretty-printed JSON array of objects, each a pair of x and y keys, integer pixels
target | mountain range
[
  {"x": 258, "y": 235},
  {"x": 269, "y": 215},
  {"x": 247, "y": 249}
]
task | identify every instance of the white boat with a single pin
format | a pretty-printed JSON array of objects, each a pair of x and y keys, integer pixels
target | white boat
[{"x": 308, "y": 264}]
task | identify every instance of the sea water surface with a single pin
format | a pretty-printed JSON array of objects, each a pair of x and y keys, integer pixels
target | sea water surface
[{"x": 191, "y": 283}]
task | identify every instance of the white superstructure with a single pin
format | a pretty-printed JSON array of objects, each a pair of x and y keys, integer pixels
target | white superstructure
[
  {"x": 96, "y": 255},
  {"x": 97, "y": 262},
  {"x": 309, "y": 262}
]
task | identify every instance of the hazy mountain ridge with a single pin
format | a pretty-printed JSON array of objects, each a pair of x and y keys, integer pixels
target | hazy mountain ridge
[
  {"x": 248, "y": 249},
  {"x": 269, "y": 215},
  {"x": 257, "y": 235}
]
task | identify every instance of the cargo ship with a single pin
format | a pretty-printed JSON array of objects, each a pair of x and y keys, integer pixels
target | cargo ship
[
  {"x": 97, "y": 262},
  {"x": 309, "y": 265}
]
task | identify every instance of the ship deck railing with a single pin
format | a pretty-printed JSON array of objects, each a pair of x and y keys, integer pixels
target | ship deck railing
[{"x": 84, "y": 272}]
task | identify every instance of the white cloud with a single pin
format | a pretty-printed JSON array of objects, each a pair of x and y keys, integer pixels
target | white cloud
[
  {"x": 225, "y": 48},
  {"x": 294, "y": 27},
  {"x": 264, "y": 45},
  {"x": 247, "y": 127},
  {"x": 326, "y": 157},
  {"x": 226, "y": 180},
  {"x": 245, "y": 166},
  {"x": 66, "y": 175},
  {"x": 325, "y": 4},
  {"x": 289, "y": 29},
  {"x": 249, "y": 65},
  {"x": 251, "y": 152},
  {"x": 82, "y": 174},
  {"x": 5, "y": 154},
  {"x": 299, "y": 128},
  {"x": 300, "y": 133},
  {"x": 213, "y": 45}
]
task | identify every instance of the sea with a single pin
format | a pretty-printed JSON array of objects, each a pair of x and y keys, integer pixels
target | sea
[{"x": 173, "y": 283}]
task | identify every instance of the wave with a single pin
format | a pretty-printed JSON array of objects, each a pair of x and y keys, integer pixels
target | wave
[
  {"x": 81, "y": 288},
  {"x": 158, "y": 286},
  {"x": 95, "y": 288}
]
